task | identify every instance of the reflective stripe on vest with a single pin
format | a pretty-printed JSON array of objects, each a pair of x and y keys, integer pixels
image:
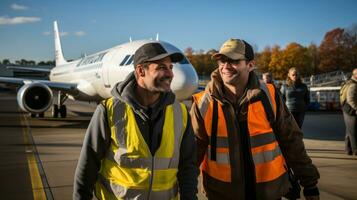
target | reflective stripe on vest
[
  {"x": 267, "y": 157},
  {"x": 129, "y": 170}
]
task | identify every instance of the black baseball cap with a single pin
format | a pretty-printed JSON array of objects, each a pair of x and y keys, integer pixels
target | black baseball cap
[{"x": 154, "y": 51}]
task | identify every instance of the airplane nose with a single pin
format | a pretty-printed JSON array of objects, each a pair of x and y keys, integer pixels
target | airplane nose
[{"x": 185, "y": 81}]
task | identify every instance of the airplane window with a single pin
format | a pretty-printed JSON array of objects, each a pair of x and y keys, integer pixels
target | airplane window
[
  {"x": 184, "y": 60},
  {"x": 125, "y": 59},
  {"x": 130, "y": 61}
]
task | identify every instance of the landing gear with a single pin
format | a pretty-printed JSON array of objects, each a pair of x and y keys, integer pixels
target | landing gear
[
  {"x": 63, "y": 111},
  {"x": 60, "y": 109},
  {"x": 55, "y": 111}
]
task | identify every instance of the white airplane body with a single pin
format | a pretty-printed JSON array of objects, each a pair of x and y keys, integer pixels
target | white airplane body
[{"x": 92, "y": 77}]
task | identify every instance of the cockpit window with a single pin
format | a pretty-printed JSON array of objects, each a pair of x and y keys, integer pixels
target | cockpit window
[
  {"x": 124, "y": 61},
  {"x": 130, "y": 61}
]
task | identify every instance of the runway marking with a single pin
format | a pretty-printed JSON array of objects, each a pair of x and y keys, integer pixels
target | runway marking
[{"x": 37, "y": 181}]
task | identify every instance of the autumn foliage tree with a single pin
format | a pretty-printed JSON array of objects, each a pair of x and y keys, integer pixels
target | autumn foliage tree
[
  {"x": 337, "y": 51},
  {"x": 332, "y": 51},
  {"x": 350, "y": 41},
  {"x": 297, "y": 56},
  {"x": 276, "y": 65},
  {"x": 263, "y": 59},
  {"x": 201, "y": 61}
]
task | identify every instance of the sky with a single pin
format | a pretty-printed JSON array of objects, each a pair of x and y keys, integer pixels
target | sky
[{"x": 26, "y": 26}]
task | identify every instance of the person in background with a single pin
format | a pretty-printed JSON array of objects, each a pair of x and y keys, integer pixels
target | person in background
[
  {"x": 296, "y": 95},
  {"x": 349, "y": 108},
  {"x": 268, "y": 78}
]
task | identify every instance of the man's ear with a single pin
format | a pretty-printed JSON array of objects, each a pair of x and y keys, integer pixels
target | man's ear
[
  {"x": 251, "y": 65},
  {"x": 139, "y": 70}
]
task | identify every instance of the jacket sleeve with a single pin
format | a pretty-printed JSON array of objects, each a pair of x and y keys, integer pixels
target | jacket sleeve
[
  {"x": 187, "y": 171},
  {"x": 290, "y": 139},
  {"x": 200, "y": 133},
  {"x": 351, "y": 97},
  {"x": 96, "y": 141}
]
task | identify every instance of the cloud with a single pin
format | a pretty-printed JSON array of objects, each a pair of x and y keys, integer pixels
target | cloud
[
  {"x": 18, "y": 20},
  {"x": 63, "y": 34},
  {"x": 46, "y": 33},
  {"x": 80, "y": 33},
  {"x": 18, "y": 7}
]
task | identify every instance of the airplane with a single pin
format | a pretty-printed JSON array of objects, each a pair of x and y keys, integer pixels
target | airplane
[{"x": 91, "y": 78}]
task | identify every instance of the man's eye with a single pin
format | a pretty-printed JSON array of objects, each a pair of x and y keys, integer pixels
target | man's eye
[
  {"x": 235, "y": 62},
  {"x": 162, "y": 66}
]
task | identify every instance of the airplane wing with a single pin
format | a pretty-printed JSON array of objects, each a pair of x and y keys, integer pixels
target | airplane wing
[
  {"x": 33, "y": 69},
  {"x": 69, "y": 88}
]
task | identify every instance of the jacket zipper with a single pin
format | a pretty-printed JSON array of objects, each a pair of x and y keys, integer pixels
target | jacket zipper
[{"x": 250, "y": 161}]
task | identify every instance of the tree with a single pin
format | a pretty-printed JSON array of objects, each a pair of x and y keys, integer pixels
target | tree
[
  {"x": 41, "y": 63},
  {"x": 275, "y": 65},
  {"x": 31, "y": 62},
  {"x": 297, "y": 56},
  {"x": 332, "y": 51},
  {"x": 201, "y": 61},
  {"x": 350, "y": 44},
  {"x": 263, "y": 59},
  {"x": 6, "y": 62},
  {"x": 313, "y": 52}
]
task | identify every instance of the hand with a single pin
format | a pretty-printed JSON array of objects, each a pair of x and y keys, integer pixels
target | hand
[{"x": 317, "y": 197}]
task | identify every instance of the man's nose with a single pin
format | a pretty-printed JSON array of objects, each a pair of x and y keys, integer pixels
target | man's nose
[{"x": 169, "y": 72}]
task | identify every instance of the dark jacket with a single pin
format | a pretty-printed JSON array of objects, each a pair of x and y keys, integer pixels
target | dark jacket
[
  {"x": 150, "y": 121},
  {"x": 288, "y": 133},
  {"x": 296, "y": 96},
  {"x": 351, "y": 97}
]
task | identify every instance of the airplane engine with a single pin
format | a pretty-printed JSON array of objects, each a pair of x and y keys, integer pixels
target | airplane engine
[{"x": 34, "y": 97}]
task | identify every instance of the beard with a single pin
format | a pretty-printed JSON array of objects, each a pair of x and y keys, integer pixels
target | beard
[
  {"x": 232, "y": 79},
  {"x": 161, "y": 85}
]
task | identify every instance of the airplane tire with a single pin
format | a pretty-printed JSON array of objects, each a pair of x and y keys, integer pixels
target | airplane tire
[
  {"x": 33, "y": 115},
  {"x": 41, "y": 115},
  {"x": 55, "y": 111},
  {"x": 63, "y": 111}
]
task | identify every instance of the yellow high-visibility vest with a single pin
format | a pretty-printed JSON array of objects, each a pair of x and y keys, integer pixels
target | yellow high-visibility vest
[{"x": 129, "y": 170}]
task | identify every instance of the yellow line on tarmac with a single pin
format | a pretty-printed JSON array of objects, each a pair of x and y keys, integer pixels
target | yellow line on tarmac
[{"x": 36, "y": 181}]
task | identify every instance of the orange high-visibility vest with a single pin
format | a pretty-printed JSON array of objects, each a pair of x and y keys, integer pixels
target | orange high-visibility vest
[{"x": 267, "y": 157}]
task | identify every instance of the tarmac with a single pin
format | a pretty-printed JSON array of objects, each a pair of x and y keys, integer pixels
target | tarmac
[{"x": 38, "y": 156}]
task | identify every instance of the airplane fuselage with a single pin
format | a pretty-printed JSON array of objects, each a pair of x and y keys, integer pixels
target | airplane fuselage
[{"x": 96, "y": 74}]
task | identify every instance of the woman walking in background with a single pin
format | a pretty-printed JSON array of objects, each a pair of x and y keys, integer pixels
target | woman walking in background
[{"x": 296, "y": 95}]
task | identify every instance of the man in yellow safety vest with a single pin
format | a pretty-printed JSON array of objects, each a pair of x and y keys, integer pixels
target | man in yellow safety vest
[{"x": 140, "y": 143}]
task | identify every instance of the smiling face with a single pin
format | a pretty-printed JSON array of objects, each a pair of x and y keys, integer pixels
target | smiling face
[
  {"x": 157, "y": 75},
  {"x": 232, "y": 71}
]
